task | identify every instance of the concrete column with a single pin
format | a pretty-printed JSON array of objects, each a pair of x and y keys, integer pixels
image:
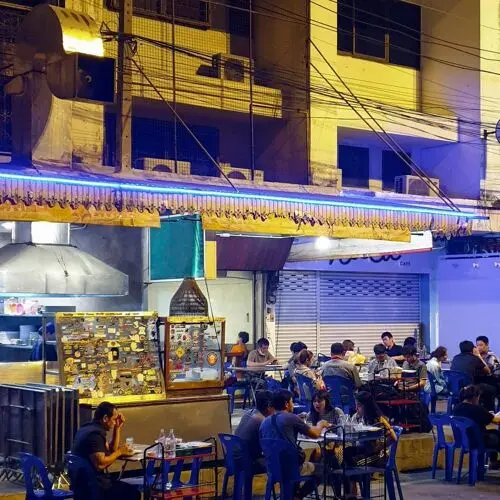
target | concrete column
[{"x": 375, "y": 169}]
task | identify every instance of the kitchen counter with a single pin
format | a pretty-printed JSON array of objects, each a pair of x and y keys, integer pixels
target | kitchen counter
[{"x": 12, "y": 352}]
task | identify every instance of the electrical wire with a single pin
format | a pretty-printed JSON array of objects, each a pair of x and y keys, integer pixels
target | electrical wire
[
  {"x": 387, "y": 139},
  {"x": 184, "y": 124},
  {"x": 207, "y": 58},
  {"x": 378, "y": 106}
]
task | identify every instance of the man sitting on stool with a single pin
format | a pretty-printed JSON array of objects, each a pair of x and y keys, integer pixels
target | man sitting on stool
[{"x": 91, "y": 444}]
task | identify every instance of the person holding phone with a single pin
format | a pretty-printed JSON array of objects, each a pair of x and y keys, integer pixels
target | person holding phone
[{"x": 91, "y": 444}]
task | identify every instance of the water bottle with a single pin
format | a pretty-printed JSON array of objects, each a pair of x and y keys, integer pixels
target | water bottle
[
  {"x": 170, "y": 445},
  {"x": 161, "y": 441}
]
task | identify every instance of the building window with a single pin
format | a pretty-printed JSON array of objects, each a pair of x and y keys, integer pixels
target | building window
[
  {"x": 386, "y": 30},
  {"x": 152, "y": 138},
  {"x": 27, "y": 4},
  {"x": 392, "y": 166},
  {"x": 192, "y": 12},
  {"x": 354, "y": 163},
  {"x": 239, "y": 17}
]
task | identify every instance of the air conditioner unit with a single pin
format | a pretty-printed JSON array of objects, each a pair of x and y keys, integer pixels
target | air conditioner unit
[
  {"x": 162, "y": 165},
  {"x": 411, "y": 184},
  {"x": 243, "y": 174},
  {"x": 230, "y": 67}
]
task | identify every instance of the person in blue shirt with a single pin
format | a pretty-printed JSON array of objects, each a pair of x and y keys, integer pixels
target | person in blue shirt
[
  {"x": 287, "y": 426},
  {"x": 50, "y": 349}
]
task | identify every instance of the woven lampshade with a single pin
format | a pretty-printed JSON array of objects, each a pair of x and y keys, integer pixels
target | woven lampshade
[{"x": 189, "y": 300}]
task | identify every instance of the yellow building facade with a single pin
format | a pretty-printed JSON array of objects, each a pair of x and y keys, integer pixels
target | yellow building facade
[{"x": 298, "y": 99}]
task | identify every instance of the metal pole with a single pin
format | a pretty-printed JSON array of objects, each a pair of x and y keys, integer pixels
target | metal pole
[
  {"x": 174, "y": 87},
  {"x": 123, "y": 160},
  {"x": 250, "y": 55}
]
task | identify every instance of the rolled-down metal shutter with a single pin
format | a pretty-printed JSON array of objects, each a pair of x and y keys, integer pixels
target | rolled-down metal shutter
[
  {"x": 296, "y": 312},
  {"x": 360, "y": 306},
  {"x": 320, "y": 308}
]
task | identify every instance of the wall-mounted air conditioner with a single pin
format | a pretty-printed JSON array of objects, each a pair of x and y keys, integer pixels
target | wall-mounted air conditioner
[
  {"x": 243, "y": 174},
  {"x": 162, "y": 165},
  {"x": 411, "y": 184},
  {"x": 231, "y": 67}
]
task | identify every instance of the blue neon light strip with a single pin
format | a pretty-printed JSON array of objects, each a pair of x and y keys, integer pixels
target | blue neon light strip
[{"x": 127, "y": 186}]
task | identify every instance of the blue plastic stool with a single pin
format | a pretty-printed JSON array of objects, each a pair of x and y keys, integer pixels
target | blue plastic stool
[
  {"x": 282, "y": 465},
  {"x": 30, "y": 464},
  {"x": 238, "y": 465},
  {"x": 439, "y": 421},
  {"x": 342, "y": 392}
]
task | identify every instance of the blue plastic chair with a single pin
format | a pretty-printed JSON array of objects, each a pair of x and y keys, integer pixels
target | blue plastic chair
[
  {"x": 82, "y": 478},
  {"x": 342, "y": 392},
  {"x": 439, "y": 421},
  {"x": 461, "y": 427},
  {"x": 34, "y": 467},
  {"x": 434, "y": 397},
  {"x": 455, "y": 381},
  {"x": 390, "y": 470},
  {"x": 238, "y": 465},
  {"x": 282, "y": 465},
  {"x": 306, "y": 389},
  {"x": 272, "y": 384},
  {"x": 240, "y": 385}
]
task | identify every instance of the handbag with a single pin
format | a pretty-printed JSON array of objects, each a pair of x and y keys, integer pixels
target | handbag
[{"x": 301, "y": 453}]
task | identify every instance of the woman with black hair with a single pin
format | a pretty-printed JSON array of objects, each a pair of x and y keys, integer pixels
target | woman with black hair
[
  {"x": 369, "y": 413},
  {"x": 373, "y": 453},
  {"x": 322, "y": 409}
]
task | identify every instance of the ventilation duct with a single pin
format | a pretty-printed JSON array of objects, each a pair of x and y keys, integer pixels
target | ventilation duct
[{"x": 41, "y": 261}]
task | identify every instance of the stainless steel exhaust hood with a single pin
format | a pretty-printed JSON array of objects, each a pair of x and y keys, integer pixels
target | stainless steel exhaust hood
[{"x": 41, "y": 261}]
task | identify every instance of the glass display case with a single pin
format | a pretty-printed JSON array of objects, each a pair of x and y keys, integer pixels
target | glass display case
[
  {"x": 110, "y": 356},
  {"x": 194, "y": 352}
]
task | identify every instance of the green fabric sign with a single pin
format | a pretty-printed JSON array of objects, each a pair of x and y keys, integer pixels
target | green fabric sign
[{"x": 177, "y": 249}]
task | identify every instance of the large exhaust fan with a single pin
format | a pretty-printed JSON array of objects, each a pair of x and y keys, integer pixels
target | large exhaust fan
[{"x": 41, "y": 261}]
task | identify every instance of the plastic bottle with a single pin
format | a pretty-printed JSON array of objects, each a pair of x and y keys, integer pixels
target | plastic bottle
[
  {"x": 161, "y": 441},
  {"x": 170, "y": 444},
  {"x": 424, "y": 352}
]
